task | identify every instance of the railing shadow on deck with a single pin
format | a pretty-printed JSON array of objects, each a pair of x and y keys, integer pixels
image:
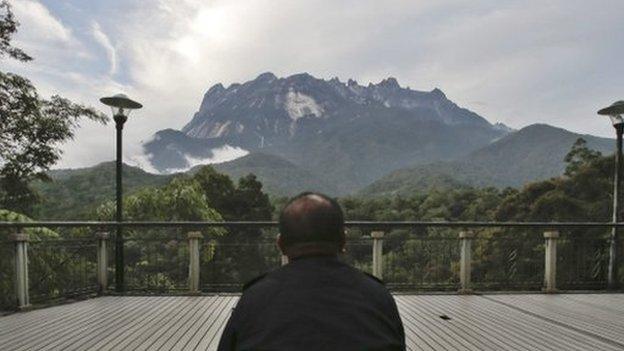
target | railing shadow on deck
[{"x": 44, "y": 262}]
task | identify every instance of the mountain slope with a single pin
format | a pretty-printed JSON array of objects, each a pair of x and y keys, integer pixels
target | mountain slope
[
  {"x": 278, "y": 176},
  {"x": 349, "y": 133},
  {"x": 75, "y": 192},
  {"x": 533, "y": 153}
]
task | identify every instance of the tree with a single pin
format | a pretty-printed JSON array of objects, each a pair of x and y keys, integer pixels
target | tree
[
  {"x": 579, "y": 155},
  {"x": 31, "y": 127},
  {"x": 245, "y": 202},
  {"x": 218, "y": 189},
  {"x": 8, "y": 27},
  {"x": 251, "y": 203},
  {"x": 244, "y": 252},
  {"x": 157, "y": 258}
]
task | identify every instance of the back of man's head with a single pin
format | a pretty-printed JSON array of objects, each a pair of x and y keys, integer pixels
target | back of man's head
[{"x": 312, "y": 220}]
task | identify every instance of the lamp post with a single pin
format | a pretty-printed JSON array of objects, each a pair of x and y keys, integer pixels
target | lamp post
[
  {"x": 121, "y": 106},
  {"x": 615, "y": 112}
]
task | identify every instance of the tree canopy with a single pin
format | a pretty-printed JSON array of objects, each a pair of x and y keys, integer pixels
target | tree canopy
[{"x": 31, "y": 127}]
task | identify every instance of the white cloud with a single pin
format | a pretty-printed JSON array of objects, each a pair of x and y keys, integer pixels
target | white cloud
[
  {"x": 103, "y": 40},
  {"x": 524, "y": 61},
  {"x": 221, "y": 154},
  {"x": 39, "y": 25}
]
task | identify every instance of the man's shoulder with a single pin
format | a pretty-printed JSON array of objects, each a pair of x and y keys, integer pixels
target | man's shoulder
[
  {"x": 266, "y": 280},
  {"x": 374, "y": 279},
  {"x": 285, "y": 275},
  {"x": 254, "y": 281}
]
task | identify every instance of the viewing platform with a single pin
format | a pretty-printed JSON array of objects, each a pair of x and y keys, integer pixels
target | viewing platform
[
  {"x": 458, "y": 286},
  {"x": 432, "y": 322}
]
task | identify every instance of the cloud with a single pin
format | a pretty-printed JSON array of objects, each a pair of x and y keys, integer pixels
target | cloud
[
  {"x": 524, "y": 62},
  {"x": 103, "y": 40},
  {"x": 42, "y": 27}
]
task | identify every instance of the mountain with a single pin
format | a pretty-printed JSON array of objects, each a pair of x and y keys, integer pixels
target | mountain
[
  {"x": 75, "y": 192},
  {"x": 278, "y": 176},
  {"x": 349, "y": 133},
  {"x": 532, "y": 153}
]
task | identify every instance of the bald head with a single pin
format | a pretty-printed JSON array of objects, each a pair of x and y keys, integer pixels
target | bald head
[{"x": 313, "y": 221}]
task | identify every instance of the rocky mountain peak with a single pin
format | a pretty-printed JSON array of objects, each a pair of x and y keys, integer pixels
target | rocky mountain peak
[
  {"x": 300, "y": 79},
  {"x": 215, "y": 89},
  {"x": 270, "y": 110},
  {"x": 266, "y": 77},
  {"x": 348, "y": 130},
  {"x": 503, "y": 127},
  {"x": 389, "y": 83},
  {"x": 437, "y": 93}
]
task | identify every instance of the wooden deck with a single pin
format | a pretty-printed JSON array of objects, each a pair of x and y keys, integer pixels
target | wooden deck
[{"x": 488, "y": 322}]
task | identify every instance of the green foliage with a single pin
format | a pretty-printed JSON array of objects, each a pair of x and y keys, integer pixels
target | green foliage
[
  {"x": 244, "y": 202},
  {"x": 279, "y": 176},
  {"x": 180, "y": 200},
  {"x": 534, "y": 153},
  {"x": 157, "y": 259},
  {"x": 8, "y": 27},
  {"x": 70, "y": 195},
  {"x": 242, "y": 253},
  {"x": 584, "y": 195},
  {"x": 509, "y": 258},
  {"x": 477, "y": 204},
  {"x": 579, "y": 155},
  {"x": 35, "y": 233},
  {"x": 31, "y": 127},
  {"x": 52, "y": 269}
]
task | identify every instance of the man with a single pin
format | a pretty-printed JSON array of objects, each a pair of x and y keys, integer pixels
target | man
[{"x": 315, "y": 302}]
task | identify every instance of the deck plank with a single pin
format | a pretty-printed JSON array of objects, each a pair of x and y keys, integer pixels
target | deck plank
[
  {"x": 489, "y": 322},
  {"x": 187, "y": 326},
  {"x": 171, "y": 326},
  {"x": 97, "y": 325},
  {"x": 583, "y": 317}
]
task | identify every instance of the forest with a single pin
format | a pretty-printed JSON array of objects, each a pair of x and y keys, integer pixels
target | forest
[{"x": 63, "y": 259}]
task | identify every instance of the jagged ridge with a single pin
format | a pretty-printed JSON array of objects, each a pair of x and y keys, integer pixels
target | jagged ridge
[{"x": 349, "y": 133}]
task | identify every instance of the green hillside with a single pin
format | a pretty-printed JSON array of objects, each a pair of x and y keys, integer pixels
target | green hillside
[
  {"x": 440, "y": 175},
  {"x": 72, "y": 193},
  {"x": 533, "y": 153},
  {"x": 279, "y": 176}
]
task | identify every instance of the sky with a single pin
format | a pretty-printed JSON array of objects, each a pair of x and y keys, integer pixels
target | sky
[{"x": 516, "y": 62}]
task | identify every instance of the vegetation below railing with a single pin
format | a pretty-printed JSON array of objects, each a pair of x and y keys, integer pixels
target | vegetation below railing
[{"x": 63, "y": 261}]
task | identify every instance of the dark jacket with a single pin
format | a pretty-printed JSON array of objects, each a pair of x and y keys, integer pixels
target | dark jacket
[{"x": 315, "y": 303}]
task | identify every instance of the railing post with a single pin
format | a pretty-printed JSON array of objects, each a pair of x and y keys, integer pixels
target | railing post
[
  {"x": 102, "y": 261},
  {"x": 21, "y": 269},
  {"x": 550, "y": 264},
  {"x": 193, "y": 275},
  {"x": 377, "y": 254},
  {"x": 465, "y": 263}
]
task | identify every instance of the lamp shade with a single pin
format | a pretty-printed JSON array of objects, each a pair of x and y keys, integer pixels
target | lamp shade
[
  {"x": 616, "y": 108},
  {"x": 120, "y": 104}
]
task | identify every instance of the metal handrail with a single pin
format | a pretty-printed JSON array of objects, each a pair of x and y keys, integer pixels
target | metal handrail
[
  {"x": 377, "y": 229},
  {"x": 260, "y": 224}
]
